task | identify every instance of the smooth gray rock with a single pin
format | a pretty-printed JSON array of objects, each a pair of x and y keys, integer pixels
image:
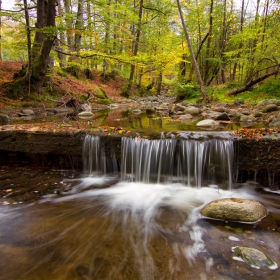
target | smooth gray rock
[
  {"x": 270, "y": 108},
  {"x": 208, "y": 123},
  {"x": 273, "y": 101},
  {"x": 85, "y": 115},
  {"x": 245, "y": 118},
  {"x": 235, "y": 209},
  {"x": 28, "y": 112},
  {"x": 179, "y": 108},
  {"x": 192, "y": 110},
  {"x": 220, "y": 109}
]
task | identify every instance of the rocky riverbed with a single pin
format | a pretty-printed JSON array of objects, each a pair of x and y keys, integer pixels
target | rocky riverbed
[{"x": 266, "y": 113}]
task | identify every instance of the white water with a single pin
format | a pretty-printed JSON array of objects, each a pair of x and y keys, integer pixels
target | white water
[
  {"x": 154, "y": 207},
  {"x": 138, "y": 208},
  {"x": 191, "y": 162}
]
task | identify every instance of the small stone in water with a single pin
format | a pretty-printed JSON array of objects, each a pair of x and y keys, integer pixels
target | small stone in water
[
  {"x": 254, "y": 257},
  {"x": 233, "y": 238}
]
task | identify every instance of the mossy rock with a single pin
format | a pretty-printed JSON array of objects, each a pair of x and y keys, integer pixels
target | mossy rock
[
  {"x": 235, "y": 209},
  {"x": 254, "y": 257}
]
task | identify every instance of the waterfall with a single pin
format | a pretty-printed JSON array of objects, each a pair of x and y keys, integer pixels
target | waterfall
[
  {"x": 192, "y": 162},
  {"x": 94, "y": 159},
  {"x": 146, "y": 160}
]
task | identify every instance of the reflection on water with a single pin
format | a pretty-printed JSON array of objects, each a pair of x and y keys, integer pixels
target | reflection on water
[
  {"x": 100, "y": 228},
  {"x": 129, "y": 120}
]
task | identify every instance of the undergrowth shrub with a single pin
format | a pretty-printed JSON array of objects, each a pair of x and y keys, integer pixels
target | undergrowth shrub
[{"x": 186, "y": 91}]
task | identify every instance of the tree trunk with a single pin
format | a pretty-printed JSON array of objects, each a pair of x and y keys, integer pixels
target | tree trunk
[
  {"x": 39, "y": 66},
  {"x": 28, "y": 33},
  {"x": 62, "y": 39},
  {"x": 240, "y": 44},
  {"x": 42, "y": 10},
  {"x": 209, "y": 41},
  {"x": 135, "y": 48},
  {"x": 223, "y": 43},
  {"x": 198, "y": 75},
  {"x": 1, "y": 31}
]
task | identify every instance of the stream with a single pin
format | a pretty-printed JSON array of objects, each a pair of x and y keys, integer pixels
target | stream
[{"x": 137, "y": 221}]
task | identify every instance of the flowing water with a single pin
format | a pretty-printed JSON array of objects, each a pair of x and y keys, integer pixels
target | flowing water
[{"x": 137, "y": 220}]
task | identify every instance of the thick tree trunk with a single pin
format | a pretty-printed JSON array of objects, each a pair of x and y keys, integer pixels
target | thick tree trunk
[
  {"x": 19, "y": 88},
  {"x": 40, "y": 64}
]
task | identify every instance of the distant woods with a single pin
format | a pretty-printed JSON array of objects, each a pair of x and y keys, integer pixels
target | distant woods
[{"x": 227, "y": 42}]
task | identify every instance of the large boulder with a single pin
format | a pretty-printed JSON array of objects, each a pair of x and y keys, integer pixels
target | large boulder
[
  {"x": 270, "y": 108},
  {"x": 192, "y": 111},
  {"x": 253, "y": 257},
  {"x": 235, "y": 209}
]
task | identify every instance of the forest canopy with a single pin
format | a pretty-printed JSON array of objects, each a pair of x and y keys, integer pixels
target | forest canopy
[{"x": 231, "y": 42}]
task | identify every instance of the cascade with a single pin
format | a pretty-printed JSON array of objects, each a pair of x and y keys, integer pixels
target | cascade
[
  {"x": 192, "y": 162},
  {"x": 95, "y": 162}
]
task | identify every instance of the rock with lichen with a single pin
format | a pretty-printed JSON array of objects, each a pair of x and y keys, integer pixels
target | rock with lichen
[
  {"x": 235, "y": 209},
  {"x": 253, "y": 257}
]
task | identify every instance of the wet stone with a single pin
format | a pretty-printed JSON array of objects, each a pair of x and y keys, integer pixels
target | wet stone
[
  {"x": 235, "y": 209},
  {"x": 254, "y": 257}
]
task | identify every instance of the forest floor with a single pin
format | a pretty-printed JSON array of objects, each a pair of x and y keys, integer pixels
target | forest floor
[
  {"x": 71, "y": 86},
  {"x": 61, "y": 84}
]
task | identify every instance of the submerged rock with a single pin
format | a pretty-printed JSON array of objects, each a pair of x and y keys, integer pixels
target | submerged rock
[
  {"x": 254, "y": 257},
  {"x": 86, "y": 114},
  {"x": 234, "y": 209},
  {"x": 185, "y": 118}
]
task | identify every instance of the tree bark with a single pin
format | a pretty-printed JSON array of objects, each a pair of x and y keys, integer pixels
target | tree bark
[
  {"x": 39, "y": 69},
  {"x": 28, "y": 33},
  {"x": 39, "y": 66},
  {"x": 198, "y": 75},
  {"x": 135, "y": 48},
  {"x": 209, "y": 42}
]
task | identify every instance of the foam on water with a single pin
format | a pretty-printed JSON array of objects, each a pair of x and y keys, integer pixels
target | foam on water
[{"x": 138, "y": 206}]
